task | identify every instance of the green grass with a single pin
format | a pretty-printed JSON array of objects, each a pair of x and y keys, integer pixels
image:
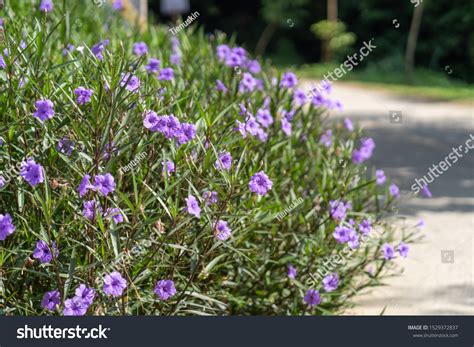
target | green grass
[{"x": 424, "y": 83}]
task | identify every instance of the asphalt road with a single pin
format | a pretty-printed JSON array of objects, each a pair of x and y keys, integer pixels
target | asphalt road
[{"x": 438, "y": 277}]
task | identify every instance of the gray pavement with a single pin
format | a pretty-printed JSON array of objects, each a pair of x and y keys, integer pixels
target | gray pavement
[{"x": 429, "y": 285}]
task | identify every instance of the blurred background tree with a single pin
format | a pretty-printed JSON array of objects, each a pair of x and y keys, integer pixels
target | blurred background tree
[{"x": 446, "y": 33}]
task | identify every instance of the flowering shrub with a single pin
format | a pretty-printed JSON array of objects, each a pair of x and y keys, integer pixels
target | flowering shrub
[{"x": 225, "y": 145}]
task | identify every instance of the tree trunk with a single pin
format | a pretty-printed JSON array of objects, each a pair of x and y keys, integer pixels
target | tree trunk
[
  {"x": 326, "y": 54},
  {"x": 265, "y": 38},
  {"x": 412, "y": 40}
]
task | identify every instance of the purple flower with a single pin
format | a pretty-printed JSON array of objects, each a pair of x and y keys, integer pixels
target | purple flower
[
  {"x": 44, "y": 109},
  {"x": 342, "y": 234},
  {"x": 169, "y": 165},
  {"x": 153, "y": 66},
  {"x": 288, "y": 80},
  {"x": 421, "y": 224},
  {"x": 380, "y": 177},
  {"x": 6, "y": 226},
  {"x": 331, "y": 282},
  {"x": 260, "y": 183},
  {"x": 353, "y": 241},
  {"x": 262, "y": 135},
  {"x": 98, "y": 48},
  {"x": 365, "y": 151},
  {"x": 286, "y": 126},
  {"x": 348, "y": 124},
  {"x": 312, "y": 298},
  {"x": 114, "y": 284},
  {"x": 326, "y": 138},
  {"x": 85, "y": 185},
  {"x": 264, "y": 117},
  {"x": 224, "y": 162},
  {"x": 140, "y": 48},
  {"x": 222, "y": 51},
  {"x": 365, "y": 227},
  {"x": 46, "y": 6},
  {"x": 83, "y": 95},
  {"x": 51, "y": 300},
  {"x": 388, "y": 251},
  {"x": 233, "y": 60},
  {"x": 130, "y": 82},
  {"x": 43, "y": 253},
  {"x": 2, "y": 181},
  {"x": 241, "y": 128},
  {"x": 247, "y": 83},
  {"x": 75, "y": 307},
  {"x": 210, "y": 197},
  {"x": 175, "y": 58},
  {"x": 221, "y": 230},
  {"x": 193, "y": 206},
  {"x": 89, "y": 209},
  {"x": 394, "y": 191},
  {"x": 86, "y": 294},
  {"x": 3, "y": 65},
  {"x": 165, "y": 289},
  {"x": 220, "y": 86},
  {"x": 292, "y": 272},
  {"x": 31, "y": 172},
  {"x": 65, "y": 146},
  {"x": 425, "y": 192},
  {"x": 299, "y": 97},
  {"x": 252, "y": 127},
  {"x": 339, "y": 209},
  {"x": 104, "y": 183},
  {"x": 403, "y": 249},
  {"x": 186, "y": 133},
  {"x": 254, "y": 66},
  {"x": 116, "y": 215},
  {"x": 68, "y": 49},
  {"x": 166, "y": 74},
  {"x": 117, "y": 5}
]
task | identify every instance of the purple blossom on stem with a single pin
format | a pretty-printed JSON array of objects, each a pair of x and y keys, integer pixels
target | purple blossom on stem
[
  {"x": 86, "y": 294},
  {"x": 46, "y": 6},
  {"x": 114, "y": 284},
  {"x": 51, "y": 300},
  {"x": 130, "y": 82},
  {"x": 65, "y": 146},
  {"x": 388, "y": 251},
  {"x": 168, "y": 165},
  {"x": 260, "y": 183},
  {"x": 365, "y": 227},
  {"x": 44, "y": 110},
  {"x": 342, "y": 234},
  {"x": 166, "y": 74},
  {"x": 224, "y": 162},
  {"x": 75, "y": 307},
  {"x": 153, "y": 66},
  {"x": 140, "y": 48},
  {"x": 331, "y": 282},
  {"x": 380, "y": 177},
  {"x": 31, "y": 172},
  {"x": 425, "y": 192},
  {"x": 292, "y": 272},
  {"x": 312, "y": 298},
  {"x": 83, "y": 95},
  {"x": 288, "y": 80},
  {"x": 348, "y": 124},
  {"x": 264, "y": 117},
  {"x": 6, "y": 226},
  {"x": 403, "y": 249},
  {"x": 44, "y": 253},
  {"x": 165, "y": 289},
  {"x": 286, "y": 126},
  {"x": 98, "y": 48},
  {"x": 247, "y": 83},
  {"x": 192, "y": 206},
  {"x": 338, "y": 209},
  {"x": 220, "y": 86},
  {"x": 115, "y": 213},
  {"x": 326, "y": 138},
  {"x": 222, "y": 230},
  {"x": 104, "y": 183},
  {"x": 394, "y": 191}
]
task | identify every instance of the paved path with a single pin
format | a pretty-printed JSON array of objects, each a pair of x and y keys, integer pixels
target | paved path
[{"x": 405, "y": 151}]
